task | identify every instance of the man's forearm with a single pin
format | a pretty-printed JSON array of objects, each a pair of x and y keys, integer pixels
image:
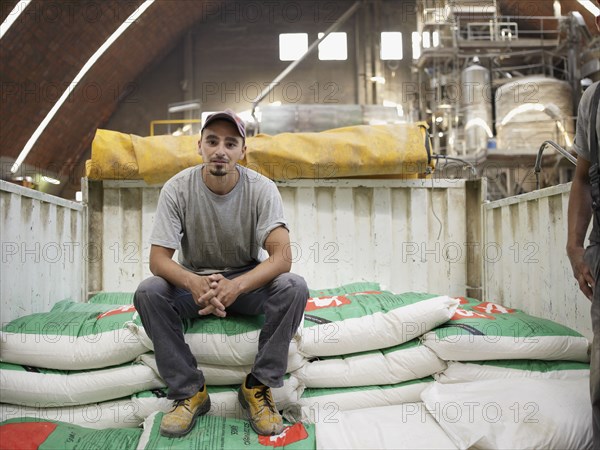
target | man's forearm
[
  {"x": 262, "y": 274},
  {"x": 165, "y": 267},
  {"x": 579, "y": 214}
]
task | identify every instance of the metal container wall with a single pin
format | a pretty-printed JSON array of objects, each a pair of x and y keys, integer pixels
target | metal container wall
[
  {"x": 408, "y": 235},
  {"x": 525, "y": 262},
  {"x": 43, "y": 251},
  {"x": 420, "y": 235}
]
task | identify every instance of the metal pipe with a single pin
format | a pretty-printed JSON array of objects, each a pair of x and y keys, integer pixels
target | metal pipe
[
  {"x": 314, "y": 45},
  {"x": 538, "y": 160},
  {"x": 461, "y": 160}
]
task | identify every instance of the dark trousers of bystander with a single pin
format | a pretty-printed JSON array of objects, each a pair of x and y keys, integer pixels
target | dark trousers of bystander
[{"x": 592, "y": 257}]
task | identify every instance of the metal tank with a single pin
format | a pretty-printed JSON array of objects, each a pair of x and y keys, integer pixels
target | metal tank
[
  {"x": 476, "y": 102},
  {"x": 531, "y": 110}
]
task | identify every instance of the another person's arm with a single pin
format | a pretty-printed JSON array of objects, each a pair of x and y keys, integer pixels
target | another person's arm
[{"x": 579, "y": 216}]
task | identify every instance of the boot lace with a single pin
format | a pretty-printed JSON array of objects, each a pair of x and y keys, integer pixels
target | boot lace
[
  {"x": 263, "y": 395},
  {"x": 185, "y": 403}
]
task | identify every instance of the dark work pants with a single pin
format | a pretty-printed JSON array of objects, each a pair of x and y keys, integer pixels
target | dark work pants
[
  {"x": 161, "y": 306},
  {"x": 592, "y": 257}
]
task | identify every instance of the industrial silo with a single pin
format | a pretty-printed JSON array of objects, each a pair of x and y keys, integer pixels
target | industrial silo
[
  {"x": 477, "y": 107},
  {"x": 531, "y": 110}
]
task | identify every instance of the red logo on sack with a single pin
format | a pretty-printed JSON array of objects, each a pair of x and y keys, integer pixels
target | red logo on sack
[
  {"x": 288, "y": 436},
  {"x": 467, "y": 314},
  {"x": 26, "y": 436},
  {"x": 493, "y": 308},
  {"x": 326, "y": 302},
  {"x": 120, "y": 310}
]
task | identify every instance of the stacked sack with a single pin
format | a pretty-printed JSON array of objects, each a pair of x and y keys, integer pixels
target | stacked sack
[
  {"x": 508, "y": 380},
  {"x": 78, "y": 363},
  {"x": 416, "y": 366},
  {"x": 363, "y": 349},
  {"x": 512, "y": 381},
  {"x": 90, "y": 364}
]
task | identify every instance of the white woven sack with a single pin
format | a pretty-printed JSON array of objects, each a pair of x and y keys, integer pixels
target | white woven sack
[
  {"x": 359, "y": 322},
  {"x": 131, "y": 412},
  {"x": 213, "y": 375},
  {"x": 46, "y": 387},
  {"x": 404, "y": 362},
  {"x": 317, "y": 405},
  {"x": 487, "y": 331},
  {"x": 213, "y": 347},
  {"x": 72, "y": 336},
  {"x": 503, "y": 414},
  {"x": 459, "y": 372},
  {"x": 408, "y": 426}
]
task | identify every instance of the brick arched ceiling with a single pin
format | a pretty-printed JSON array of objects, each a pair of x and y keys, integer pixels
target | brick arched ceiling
[
  {"x": 45, "y": 49},
  {"x": 50, "y": 42}
]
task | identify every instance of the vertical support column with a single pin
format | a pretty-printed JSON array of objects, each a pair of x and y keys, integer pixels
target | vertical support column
[
  {"x": 368, "y": 58},
  {"x": 359, "y": 63},
  {"x": 93, "y": 197},
  {"x": 476, "y": 192}
]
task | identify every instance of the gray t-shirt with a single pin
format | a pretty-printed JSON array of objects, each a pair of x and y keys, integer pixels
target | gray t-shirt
[
  {"x": 217, "y": 233},
  {"x": 582, "y": 133},
  {"x": 582, "y": 142}
]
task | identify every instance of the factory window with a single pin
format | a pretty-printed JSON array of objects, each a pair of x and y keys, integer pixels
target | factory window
[
  {"x": 333, "y": 47},
  {"x": 426, "y": 39},
  {"x": 292, "y": 46},
  {"x": 416, "y": 44},
  {"x": 391, "y": 45}
]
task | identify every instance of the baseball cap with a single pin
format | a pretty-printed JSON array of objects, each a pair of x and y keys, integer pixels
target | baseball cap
[{"x": 230, "y": 116}]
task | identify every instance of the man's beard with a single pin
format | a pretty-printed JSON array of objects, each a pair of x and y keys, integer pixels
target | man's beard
[{"x": 218, "y": 171}]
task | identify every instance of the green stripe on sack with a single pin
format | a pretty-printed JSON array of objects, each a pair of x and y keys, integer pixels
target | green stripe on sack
[
  {"x": 162, "y": 392},
  {"x": 73, "y": 320},
  {"x": 476, "y": 318},
  {"x": 220, "y": 433},
  {"x": 366, "y": 304},
  {"x": 30, "y": 369},
  {"x": 396, "y": 348},
  {"x": 534, "y": 365},
  {"x": 345, "y": 289},
  {"x": 44, "y": 371},
  {"x": 319, "y": 392},
  {"x": 71, "y": 306},
  {"x": 112, "y": 298}
]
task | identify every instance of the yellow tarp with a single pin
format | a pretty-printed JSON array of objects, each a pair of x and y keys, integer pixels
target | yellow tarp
[{"x": 394, "y": 151}]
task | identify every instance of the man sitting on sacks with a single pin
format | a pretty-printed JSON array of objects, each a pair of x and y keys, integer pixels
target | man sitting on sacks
[{"x": 220, "y": 216}]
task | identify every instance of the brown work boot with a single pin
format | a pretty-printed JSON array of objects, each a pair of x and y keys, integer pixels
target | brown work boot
[
  {"x": 182, "y": 417},
  {"x": 259, "y": 407}
]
